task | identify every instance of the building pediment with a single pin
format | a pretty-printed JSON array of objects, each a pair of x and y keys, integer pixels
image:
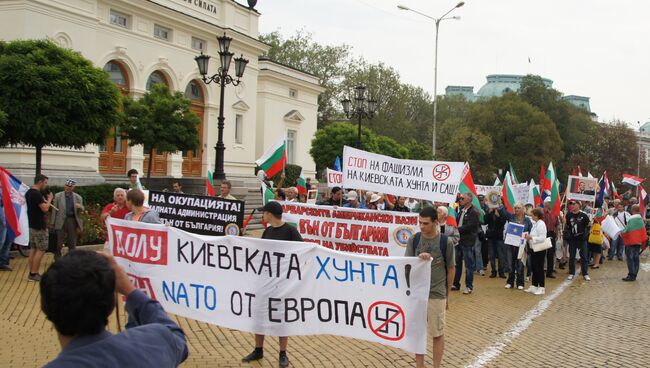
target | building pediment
[
  {"x": 241, "y": 106},
  {"x": 294, "y": 116}
]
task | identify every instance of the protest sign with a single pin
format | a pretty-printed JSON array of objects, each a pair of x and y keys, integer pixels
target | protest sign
[
  {"x": 521, "y": 192},
  {"x": 277, "y": 288},
  {"x": 514, "y": 234},
  {"x": 312, "y": 194},
  {"x": 435, "y": 181},
  {"x": 582, "y": 188},
  {"x": 609, "y": 227},
  {"x": 334, "y": 178},
  {"x": 198, "y": 214},
  {"x": 380, "y": 233},
  {"x": 485, "y": 189}
]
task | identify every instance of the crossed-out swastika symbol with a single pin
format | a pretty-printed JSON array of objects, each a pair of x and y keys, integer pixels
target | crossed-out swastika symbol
[
  {"x": 387, "y": 320},
  {"x": 441, "y": 172}
]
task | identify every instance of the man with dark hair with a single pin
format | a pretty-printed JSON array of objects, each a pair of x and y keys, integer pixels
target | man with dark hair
[
  {"x": 468, "y": 227},
  {"x": 37, "y": 207},
  {"x": 427, "y": 245},
  {"x": 277, "y": 230},
  {"x": 224, "y": 190},
  {"x": 177, "y": 187},
  {"x": 335, "y": 198},
  {"x": 576, "y": 234},
  {"x": 78, "y": 296},
  {"x": 133, "y": 178},
  {"x": 135, "y": 203}
]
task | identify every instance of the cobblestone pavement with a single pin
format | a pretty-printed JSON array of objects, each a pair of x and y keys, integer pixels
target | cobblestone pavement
[{"x": 602, "y": 323}]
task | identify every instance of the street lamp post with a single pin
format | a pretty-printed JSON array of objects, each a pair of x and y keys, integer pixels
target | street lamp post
[
  {"x": 363, "y": 108},
  {"x": 435, "y": 62},
  {"x": 222, "y": 78}
]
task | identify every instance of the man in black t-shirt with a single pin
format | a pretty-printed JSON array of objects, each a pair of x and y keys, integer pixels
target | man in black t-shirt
[
  {"x": 277, "y": 230},
  {"x": 576, "y": 233},
  {"x": 37, "y": 207}
]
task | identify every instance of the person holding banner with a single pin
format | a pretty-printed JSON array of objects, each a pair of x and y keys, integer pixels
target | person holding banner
[
  {"x": 78, "y": 294},
  {"x": 277, "y": 230},
  {"x": 427, "y": 245},
  {"x": 135, "y": 203},
  {"x": 118, "y": 208},
  {"x": 468, "y": 228},
  {"x": 621, "y": 217},
  {"x": 353, "y": 201}
]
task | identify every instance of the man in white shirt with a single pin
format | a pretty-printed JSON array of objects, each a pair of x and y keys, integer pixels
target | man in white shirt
[{"x": 620, "y": 217}]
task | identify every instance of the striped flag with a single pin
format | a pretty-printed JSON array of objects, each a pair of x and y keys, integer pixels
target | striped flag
[
  {"x": 613, "y": 190},
  {"x": 643, "y": 201},
  {"x": 209, "y": 185},
  {"x": 534, "y": 197},
  {"x": 15, "y": 207},
  {"x": 632, "y": 180},
  {"x": 467, "y": 185},
  {"x": 603, "y": 187},
  {"x": 497, "y": 182},
  {"x": 553, "y": 187},
  {"x": 451, "y": 217},
  {"x": 513, "y": 176},
  {"x": 579, "y": 171},
  {"x": 508, "y": 194},
  {"x": 274, "y": 160},
  {"x": 634, "y": 232},
  {"x": 301, "y": 184}
]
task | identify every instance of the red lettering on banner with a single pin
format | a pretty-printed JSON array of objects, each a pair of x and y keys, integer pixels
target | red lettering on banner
[
  {"x": 142, "y": 283},
  {"x": 335, "y": 178},
  {"x": 358, "y": 162},
  {"x": 140, "y": 245}
]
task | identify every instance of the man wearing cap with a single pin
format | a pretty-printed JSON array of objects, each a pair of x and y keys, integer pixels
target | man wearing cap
[
  {"x": 67, "y": 217},
  {"x": 353, "y": 200},
  {"x": 277, "y": 230}
]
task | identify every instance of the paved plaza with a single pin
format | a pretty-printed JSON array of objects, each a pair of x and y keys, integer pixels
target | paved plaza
[{"x": 601, "y": 323}]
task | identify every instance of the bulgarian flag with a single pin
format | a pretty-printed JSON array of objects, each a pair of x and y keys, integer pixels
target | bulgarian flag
[
  {"x": 451, "y": 217},
  {"x": 513, "y": 176},
  {"x": 579, "y": 171},
  {"x": 508, "y": 194},
  {"x": 552, "y": 186},
  {"x": 467, "y": 185},
  {"x": 534, "y": 197},
  {"x": 613, "y": 190},
  {"x": 301, "y": 185},
  {"x": 634, "y": 232},
  {"x": 209, "y": 184},
  {"x": 497, "y": 182},
  {"x": 274, "y": 160},
  {"x": 632, "y": 180},
  {"x": 542, "y": 179},
  {"x": 268, "y": 195}
]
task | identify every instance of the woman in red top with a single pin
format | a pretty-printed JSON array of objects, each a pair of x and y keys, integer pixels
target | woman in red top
[{"x": 118, "y": 208}]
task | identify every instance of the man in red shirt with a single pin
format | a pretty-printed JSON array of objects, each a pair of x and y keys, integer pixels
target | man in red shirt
[{"x": 118, "y": 208}]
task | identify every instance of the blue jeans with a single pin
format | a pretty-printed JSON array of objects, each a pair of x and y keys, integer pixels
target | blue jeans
[
  {"x": 632, "y": 257},
  {"x": 478, "y": 256},
  {"x": 465, "y": 253},
  {"x": 516, "y": 267},
  {"x": 574, "y": 246},
  {"x": 616, "y": 248},
  {"x": 497, "y": 249},
  {"x": 5, "y": 246}
]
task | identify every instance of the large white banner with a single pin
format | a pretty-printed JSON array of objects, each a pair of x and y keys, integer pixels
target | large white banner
[
  {"x": 379, "y": 233},
  {"x": 485, "y": 189},
  {"x": 431, "y": 180},
  {"x": 277, "y": 288},
  {"x": 334, "y": 178}
]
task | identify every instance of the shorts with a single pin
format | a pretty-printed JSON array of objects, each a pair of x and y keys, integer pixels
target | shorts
[
  {"x": 38, "y": 239},
  {"x": 595, "y": 248},
  {"x": 436, "y": 317}
]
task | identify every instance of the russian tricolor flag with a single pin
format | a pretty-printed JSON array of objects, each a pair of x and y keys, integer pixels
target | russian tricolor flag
[{"x": 15, "y": 207}]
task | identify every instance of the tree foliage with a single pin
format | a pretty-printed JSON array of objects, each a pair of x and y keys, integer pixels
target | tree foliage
[
  {"x": 53, "y": 97},
  {"x": 160, "y": 120}
]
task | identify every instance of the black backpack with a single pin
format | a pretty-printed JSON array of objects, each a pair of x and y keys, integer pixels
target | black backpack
[{"x": 443, "y": 246}]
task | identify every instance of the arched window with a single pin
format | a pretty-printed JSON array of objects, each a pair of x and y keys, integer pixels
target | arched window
[
  {"x": 155, "y": 78},
  {"x": 194, "y": 92},
  {"x": 117, "y": 75}
]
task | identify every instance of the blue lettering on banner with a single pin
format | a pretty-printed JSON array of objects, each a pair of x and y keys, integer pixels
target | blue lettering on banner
[
  {"x": 350, "y": 270},
  {"x": 195, "y": 296}
]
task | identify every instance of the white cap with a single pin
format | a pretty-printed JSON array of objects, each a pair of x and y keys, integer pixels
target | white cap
[{"x": 352, "y": 195}]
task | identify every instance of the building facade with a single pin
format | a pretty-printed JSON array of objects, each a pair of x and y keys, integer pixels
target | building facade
[{"x": 143, "y": 42}]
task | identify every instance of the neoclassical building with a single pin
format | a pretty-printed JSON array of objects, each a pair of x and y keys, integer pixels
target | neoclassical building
[{"x": 143, "y": 42}]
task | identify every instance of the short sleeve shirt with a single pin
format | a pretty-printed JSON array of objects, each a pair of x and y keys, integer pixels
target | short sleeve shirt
[
  {"x": 35, "y": 214},
  {"x": 438, "y": 289},
  {"x": 284, "y": 232}
]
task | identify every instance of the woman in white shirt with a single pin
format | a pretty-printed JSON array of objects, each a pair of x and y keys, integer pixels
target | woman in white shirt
[{"x": 537, "y": 234}]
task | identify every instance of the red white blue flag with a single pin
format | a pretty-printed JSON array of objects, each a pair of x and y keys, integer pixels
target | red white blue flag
[{"x": 15, "y": 207}]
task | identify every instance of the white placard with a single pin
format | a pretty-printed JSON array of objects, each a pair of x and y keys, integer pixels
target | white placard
[{"x": 334, "y": 178}]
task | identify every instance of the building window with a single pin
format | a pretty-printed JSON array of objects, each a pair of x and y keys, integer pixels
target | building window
[
  {"x": 115, "y": 73},
  {"x": 118, "y": 140},
  {"x": 193, "y": 92},
  {"x": 239, "y": 129},
  {"x": 162, "y": 33},
  {"x": 119, "y": 19},
  {"x": 293, "y": 93},
  {"x": 199, "y": 44},
  {"x": 291, "y": 146},
  {"x": 156, "y": 78}
]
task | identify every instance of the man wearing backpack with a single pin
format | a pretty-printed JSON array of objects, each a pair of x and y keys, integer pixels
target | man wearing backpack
[{"x": 429, "y": 244}]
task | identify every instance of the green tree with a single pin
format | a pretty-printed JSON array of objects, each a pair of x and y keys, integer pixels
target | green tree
[
  {"x": 389, "y": 147},
  {"x": 160, "y": 121},
  {"x": 328, "y": 63},
  {"x": 53, "y": 97},
  {"x": 329, "y": 141},
  {"x": 3, "y": 121},
  {"x": 615, "y": 149},
  {"x": 419, "y": 151}
]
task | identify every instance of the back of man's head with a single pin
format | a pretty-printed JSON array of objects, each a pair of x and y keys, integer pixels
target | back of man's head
[{"x": 77, "y": 293}]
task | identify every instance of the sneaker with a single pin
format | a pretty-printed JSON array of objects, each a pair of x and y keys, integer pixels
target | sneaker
[
  {"x": 34, "y": 277},
  {"x": 467, "y": 291},
  {"x": 257, "y": 354},
  {"x": 540, "y": 291},
  {"x": 454, "y": 287},
  {"x": 5, "y": 268},
  {"x": 508, "y": 286},
  {"x": 520, "y": 287},
  {"x": 570, "y": 277},
  {"x": 628, "y": 278},
  {"x": 284, "y": 360},
  {"x": 587, "y": 278},
  {"x": 531, "y": 289}
]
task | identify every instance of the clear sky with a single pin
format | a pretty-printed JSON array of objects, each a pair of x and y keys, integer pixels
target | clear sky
[{"x": 594, "y": 48}]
